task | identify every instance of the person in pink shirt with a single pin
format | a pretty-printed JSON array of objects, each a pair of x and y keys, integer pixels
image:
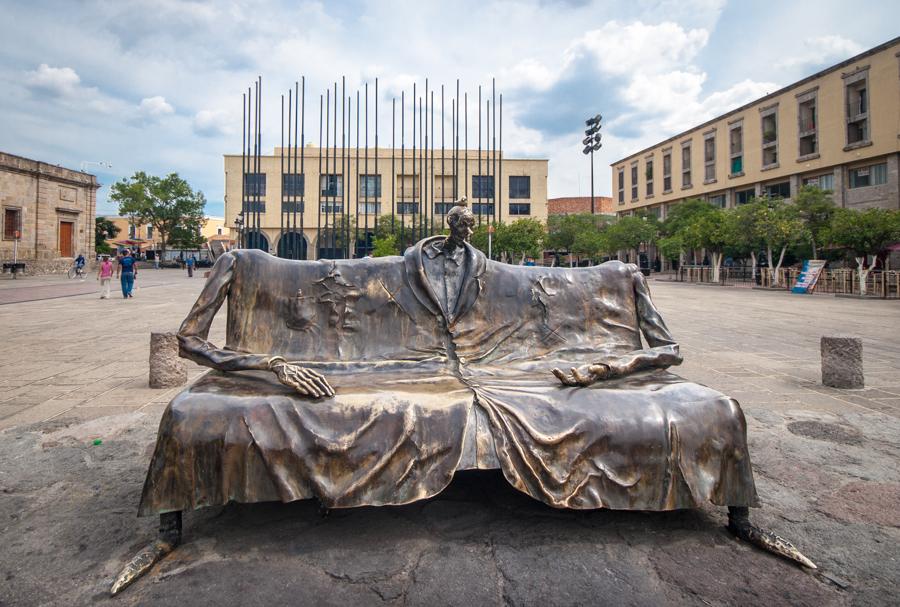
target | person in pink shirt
[{"x": 104, "y": 275}]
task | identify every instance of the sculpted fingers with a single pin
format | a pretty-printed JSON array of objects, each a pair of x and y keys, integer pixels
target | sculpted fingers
[
  {"x": 562, "y": 377},
  {"x": 581, "y": 380}
]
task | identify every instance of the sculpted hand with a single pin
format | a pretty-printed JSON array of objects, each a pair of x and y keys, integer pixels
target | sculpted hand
[
  {"x": 584, "y": 375},
  {"x": 303, "y": 380}
]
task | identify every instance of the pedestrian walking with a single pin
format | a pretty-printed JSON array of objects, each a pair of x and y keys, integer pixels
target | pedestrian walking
[
  {"x": 104, "y": 275},
  {"x": 128, "y": 271},
  {"x": 190, "y": 265}
]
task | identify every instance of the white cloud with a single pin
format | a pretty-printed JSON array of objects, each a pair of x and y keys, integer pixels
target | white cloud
[
  {"x": 153, "y": 108},
  {"x": 213, "y": 123},
  {"x": 822, "y": 49},
  {"x": 55, "y": 81}
]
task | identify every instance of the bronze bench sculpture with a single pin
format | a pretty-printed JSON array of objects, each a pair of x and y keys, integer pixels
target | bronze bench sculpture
[{"x": 441, "y": 360}]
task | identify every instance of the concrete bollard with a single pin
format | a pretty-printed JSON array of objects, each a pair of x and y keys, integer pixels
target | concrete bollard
[
  {"x": 842, "y": 363},
  {"x": 167, "y": 369}
]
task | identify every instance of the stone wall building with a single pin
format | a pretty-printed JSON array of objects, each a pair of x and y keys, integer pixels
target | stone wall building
[
  {"x": 838, "y": 129},
  {"x": 50, "y": 208}
]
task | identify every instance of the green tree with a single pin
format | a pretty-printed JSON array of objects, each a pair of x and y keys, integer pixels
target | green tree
[
  {"x": 564, "y": 230},
  {"x": 187, "y": 235},
  {"x": 384, "y": 246},
  {"x": 864, "y": 233},
  {"x": 815, "y": 208},
  {"x": 712, "y": 229},
  {"x": 104, "y": 230},
  {"x": 166, "y": 203},
  {"x": 679, "y": 218},
  {"x": 779, "y": 227},
  {"x": 630, "y": 232},
  {"x": 746, "y": 241},
  {"x": 523, "y": 237},
  {"x": 592, "y": 244}
]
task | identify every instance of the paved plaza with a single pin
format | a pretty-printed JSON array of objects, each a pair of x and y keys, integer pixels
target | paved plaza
[{"x": 73, "y": 368}]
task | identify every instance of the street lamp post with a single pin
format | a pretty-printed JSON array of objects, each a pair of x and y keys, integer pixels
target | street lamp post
[
  {"x": 101, "y": 163},
  {"x": 239, "y": 226},
  {"x": 591, "y": 144}
]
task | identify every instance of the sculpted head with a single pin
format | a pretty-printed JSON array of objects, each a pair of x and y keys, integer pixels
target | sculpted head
[{"x": 461, "y": 222}]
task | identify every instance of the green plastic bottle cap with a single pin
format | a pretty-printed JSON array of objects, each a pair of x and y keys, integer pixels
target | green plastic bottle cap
[{"x": 97, "y": 441}]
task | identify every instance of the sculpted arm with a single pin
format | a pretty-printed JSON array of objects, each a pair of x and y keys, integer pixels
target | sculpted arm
[
  {"x": 194, "y": 343},
  {"x": 663, "y": 350}
]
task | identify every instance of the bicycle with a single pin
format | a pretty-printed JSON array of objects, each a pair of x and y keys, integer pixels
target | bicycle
[{"x": 77, "y": 271}]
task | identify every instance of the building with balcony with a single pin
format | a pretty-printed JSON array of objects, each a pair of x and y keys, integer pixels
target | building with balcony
[
  {"x": 292, "y": 212},
  {"x": 838, "y": 129}
]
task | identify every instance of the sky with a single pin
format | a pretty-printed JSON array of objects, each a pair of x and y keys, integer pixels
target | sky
[{"x": 155, "y": 85}]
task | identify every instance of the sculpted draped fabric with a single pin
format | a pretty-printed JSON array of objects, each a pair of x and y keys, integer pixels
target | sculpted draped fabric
[{"x": 425, "y": 387}]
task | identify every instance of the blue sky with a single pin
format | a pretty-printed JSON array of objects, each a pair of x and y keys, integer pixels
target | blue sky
[{"x": 156, "y": 85}]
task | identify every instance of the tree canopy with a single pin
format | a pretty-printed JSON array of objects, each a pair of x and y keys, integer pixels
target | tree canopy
[
  {"x": 169, "y": 204},
  {"x": 104, "y": 230}
]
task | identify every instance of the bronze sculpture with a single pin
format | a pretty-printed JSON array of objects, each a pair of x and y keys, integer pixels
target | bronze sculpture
[{"x": 441, "y": 360}]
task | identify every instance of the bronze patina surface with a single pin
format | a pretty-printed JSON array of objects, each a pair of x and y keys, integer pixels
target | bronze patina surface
[{"x": 390, "y": 374}]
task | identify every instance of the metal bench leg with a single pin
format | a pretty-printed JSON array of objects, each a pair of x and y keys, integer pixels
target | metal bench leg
[
  {"x": 169, "y": 537},
  {"x": 739, "y": 524}
]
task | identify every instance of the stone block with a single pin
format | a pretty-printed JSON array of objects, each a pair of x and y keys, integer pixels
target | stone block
[
  {"x": 167, "y": 369},
  {"x": 842, "y": 363}
]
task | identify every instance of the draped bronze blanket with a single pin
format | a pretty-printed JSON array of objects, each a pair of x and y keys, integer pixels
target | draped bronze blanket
[{"x": 422, "y": 390}]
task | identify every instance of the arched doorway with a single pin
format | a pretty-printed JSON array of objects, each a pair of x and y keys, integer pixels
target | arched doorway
[
  {"x": 292, "y": 245},
  {"x": 330, "y": 245},
  {"x": 256, "y": 240}
]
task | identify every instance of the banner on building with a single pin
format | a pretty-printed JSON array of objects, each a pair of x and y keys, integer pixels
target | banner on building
[{"x": 808, "y": 277}]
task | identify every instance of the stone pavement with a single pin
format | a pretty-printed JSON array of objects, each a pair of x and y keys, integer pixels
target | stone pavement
[{"x": 75, "y": 369}]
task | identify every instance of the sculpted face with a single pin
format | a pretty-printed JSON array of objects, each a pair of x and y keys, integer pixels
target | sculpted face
[{"x": 461, "y": 222}]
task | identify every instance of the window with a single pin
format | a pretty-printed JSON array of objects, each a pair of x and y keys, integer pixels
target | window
[
  {"x": 331, "y": 207},
  {"x": 370, "y": 186},
  {"x": 254, "y": 184},
  {"x": 634, "y": 182},
  {"x": 331, "y": 185},
  {"x": 520, "y": 208},
  {"x": 857, "y": 96},
  {"x": 12, "y": 222},
  {"x": 686, "y": 165},
  {"x": 736, "y": 148},
  {"x": 369, "y": 208},
  {"x": 648, "y": 173},
  {"x": 875, "y": 174},
  {"x": 621, "y": 186},
  {"x": 520, "y": 186},
  {"x": 292, "y": 184},
  {"x": 807, "y": 124},
  {"x": 744, "y": 196},
  {"x": 482, "y": 186},
  {"x": 709, "y": 158},
  {"x": 717, "y": 200},
  {"x": 292, "y": 206},
  {"x": 149, "y": 232},
  {"x": 823, "y": 182},
  {"x": 255, "y": 206},
  {"x": 132, "y": 231},
  {"x": 408, "y": 208},
  {"x": 442, "y": 208},
  {"x": 483, "y": 208},
  {"x": 778, "y": 190},
  {"x": 667, "y": 172},
  {"x": 770, "y": 137},
  {"x": 218, "y": 231}
]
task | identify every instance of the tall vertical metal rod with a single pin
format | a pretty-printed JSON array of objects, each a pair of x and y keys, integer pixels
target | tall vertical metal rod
[
  {"x": 281, "y": 189},
  {"x": 425, "y": 172},
  {"x": 494, "y": 148},
  {"x": 456, "y": 148},
  {"x": 345, "y": 161},
  {"x": 414, "y": 206},
  {"x": 393, "y": 162},
  {"x": 260, "y": 200},
  {"x": 487, "y": 160},
  {"x": 443, "y": 179},
  {"x": 302, "y": 152},
  {"x": 318, "y": 189},
  {"x": 335, "y": 168},
  {"x": 366, "y": 219},
  {"x": 257, "y": 141},
  {"x": 402, "y": 167},
  {"x": 421, "y": 174},
  {"x": 466, "y": 144},
  {"x": 500, "y": 181},
  {"x": 431, "y": 172},
  {"x": 480, "y": 174},
  {"x": 358, "y": 192},
  {"x": 378, "y": 180},
  {"x": 327, "y": 159},
  {"x": 454, "y": 140}
]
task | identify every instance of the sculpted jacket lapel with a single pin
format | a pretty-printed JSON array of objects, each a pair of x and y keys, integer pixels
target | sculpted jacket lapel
[{"x": 418, "y": 282}]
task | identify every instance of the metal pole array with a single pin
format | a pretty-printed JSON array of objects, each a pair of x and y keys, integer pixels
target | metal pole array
[{"x": 345, "y": 179}]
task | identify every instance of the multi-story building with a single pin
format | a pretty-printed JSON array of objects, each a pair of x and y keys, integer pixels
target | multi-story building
[
  {"x": 397, "y": 183},
  {"x": 838, "y": 129},
  {"x": 48, "y": 213},
  {"x": 146, "y": 238}
]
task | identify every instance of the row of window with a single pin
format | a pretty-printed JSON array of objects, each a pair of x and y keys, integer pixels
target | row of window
[
  {"x": 292, "y": 184},
  {"x": 857, "y": 134},
  {"x": 402, "y": 208}
]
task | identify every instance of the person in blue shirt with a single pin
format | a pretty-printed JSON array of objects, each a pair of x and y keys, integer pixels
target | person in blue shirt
[
  {"x": 189, "y": 264},
  {"x": 128, "y": 272}
]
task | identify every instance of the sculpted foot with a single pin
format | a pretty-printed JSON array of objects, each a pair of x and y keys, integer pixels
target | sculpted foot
[
  {"x": 739, "y": 524},
  {"x": 149, "y": 555}
]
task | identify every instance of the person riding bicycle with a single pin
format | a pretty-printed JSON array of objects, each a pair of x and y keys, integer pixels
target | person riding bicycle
[{"x": 80, "y": 262}]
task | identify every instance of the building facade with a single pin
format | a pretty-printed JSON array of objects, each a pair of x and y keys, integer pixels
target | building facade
[
  {"x": 603, "y": 205},
  {"x": 145, "y": 237},
  {"x": 838, "y": 129},
  {"x": 48, "y": 213},
  {"x": 397, "y": 183}
]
